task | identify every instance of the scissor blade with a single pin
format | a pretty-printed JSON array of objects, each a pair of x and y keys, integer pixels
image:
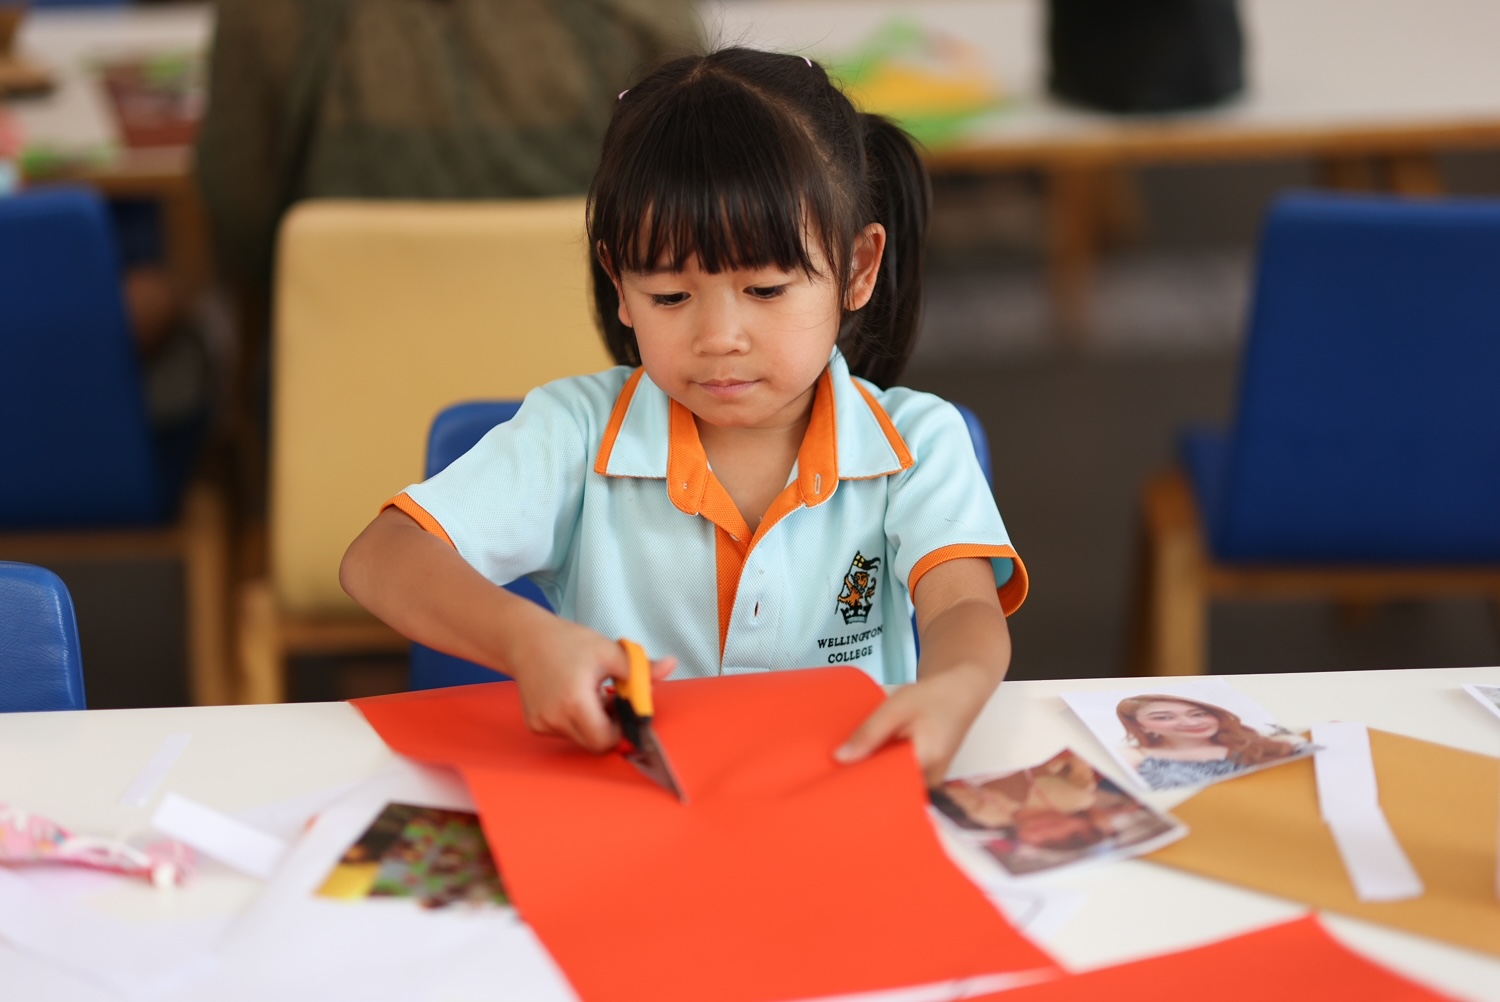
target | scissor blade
[{"x": 649, "y": 757}]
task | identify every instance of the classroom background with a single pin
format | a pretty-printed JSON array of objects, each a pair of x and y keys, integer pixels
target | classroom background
[{"x": 1082, "y": 403}]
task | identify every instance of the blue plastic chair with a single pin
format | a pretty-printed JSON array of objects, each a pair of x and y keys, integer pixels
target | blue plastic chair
[
  {"x": 454, "y": 432},
  {"x": 84, "y": 470},
  {"x": 41, "y": 667},
  {"x": 77, "y": 446},
  {"x": 1364, "y": 459}
]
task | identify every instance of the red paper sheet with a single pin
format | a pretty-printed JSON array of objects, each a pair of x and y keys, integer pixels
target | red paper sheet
[
  {"x": 1296, "y": 960},
  {"x": 787, "y": 876}
]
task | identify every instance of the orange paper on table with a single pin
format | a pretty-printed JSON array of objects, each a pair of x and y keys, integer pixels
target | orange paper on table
[
  {"x": 785, "y": 876},
  {"x": 1265, "y": 831},
  {"x": 1295, "y": 960}
]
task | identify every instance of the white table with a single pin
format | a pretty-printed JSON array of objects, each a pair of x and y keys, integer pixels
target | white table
[{"x": 74, "y": 767}]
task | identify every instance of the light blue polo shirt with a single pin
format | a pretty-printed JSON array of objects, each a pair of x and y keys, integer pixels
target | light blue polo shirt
[{"x": 600, "y": 491}]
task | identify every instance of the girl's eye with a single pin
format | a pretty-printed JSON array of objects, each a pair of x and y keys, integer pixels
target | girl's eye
[
  {"x": 766, "y": 291},
  {"x": 669, "y": 299}
]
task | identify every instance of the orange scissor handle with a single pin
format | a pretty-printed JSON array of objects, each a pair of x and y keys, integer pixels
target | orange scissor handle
[{"x": 636, "y": 690}]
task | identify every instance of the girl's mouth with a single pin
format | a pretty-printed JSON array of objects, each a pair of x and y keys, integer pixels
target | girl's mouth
[{"x": 727, "y": 388}]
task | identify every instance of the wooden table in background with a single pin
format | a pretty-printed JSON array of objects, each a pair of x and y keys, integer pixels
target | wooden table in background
[
  {"x": 1370, "y": 90},
  {"x": 76, "y": 127}
]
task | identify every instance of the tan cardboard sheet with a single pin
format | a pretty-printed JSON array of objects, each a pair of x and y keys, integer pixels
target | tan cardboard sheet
[{"x": 1263, "y": 831}]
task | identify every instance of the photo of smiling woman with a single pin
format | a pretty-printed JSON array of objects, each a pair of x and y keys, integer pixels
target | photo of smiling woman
[{"x": 1171, "y": 741}]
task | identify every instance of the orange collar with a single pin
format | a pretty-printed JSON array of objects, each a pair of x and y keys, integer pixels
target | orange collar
[{"x": 849, "y": 436}]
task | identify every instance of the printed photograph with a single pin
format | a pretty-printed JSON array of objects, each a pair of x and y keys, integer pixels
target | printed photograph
[
  {"x": 1174, "y": 735},
  {"x": 434, "y": 856},
  {"x": 1053, "y": 815},
  {"x": 1488, "y": 696}
]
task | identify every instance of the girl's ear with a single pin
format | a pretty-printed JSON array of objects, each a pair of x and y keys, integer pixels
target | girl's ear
[
  {"x": 609, "y": 268},
  {"x": 864, "y": 265}
]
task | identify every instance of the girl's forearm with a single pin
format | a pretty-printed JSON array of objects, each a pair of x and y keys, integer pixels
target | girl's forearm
[
  {"x": 970, "y": 636},
  {"x": 419, "y": 586}
]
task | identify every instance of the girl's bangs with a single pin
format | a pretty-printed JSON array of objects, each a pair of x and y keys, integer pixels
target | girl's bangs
[{"x": 728, "y": 197}]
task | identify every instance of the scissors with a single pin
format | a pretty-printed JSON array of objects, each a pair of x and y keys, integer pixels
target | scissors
[{"x": 633, "y": 708}]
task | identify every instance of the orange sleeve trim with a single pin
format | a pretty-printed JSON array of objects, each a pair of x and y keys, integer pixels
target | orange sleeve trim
[
  {"x": 420, "y": 515},
  {"x": 903, "y": 454},
  {"x": 1012, "y": 593},
  {"x": 616, "y": 420}
]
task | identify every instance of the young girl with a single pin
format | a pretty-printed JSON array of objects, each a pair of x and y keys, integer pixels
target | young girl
[{"x": 739, "y": 495}]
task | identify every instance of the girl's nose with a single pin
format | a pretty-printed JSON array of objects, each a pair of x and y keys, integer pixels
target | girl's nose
[{"x": 719, "y": 328}]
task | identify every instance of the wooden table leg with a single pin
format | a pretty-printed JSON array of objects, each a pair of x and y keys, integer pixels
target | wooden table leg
[
  {"x": 1121, "y": 210},
  {"x": 1408, "y": 173},
  {"x": 1413, "y": 174},
  {"x": 1072, "y": 209},
  {"x": 1347, "y": 173}
]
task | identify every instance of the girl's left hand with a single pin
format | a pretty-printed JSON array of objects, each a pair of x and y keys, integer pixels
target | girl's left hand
[{"x": 933, "y": 714}]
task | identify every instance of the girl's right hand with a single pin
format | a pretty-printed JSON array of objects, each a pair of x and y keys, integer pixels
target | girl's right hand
[{"x": 560, "y": 669}]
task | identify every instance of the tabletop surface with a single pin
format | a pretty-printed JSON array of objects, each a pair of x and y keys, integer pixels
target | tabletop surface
[
  {"x": 72, "y": 767},
  {"x": 75, "y": 119}
]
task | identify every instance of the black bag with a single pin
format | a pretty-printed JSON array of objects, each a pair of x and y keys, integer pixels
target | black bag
[{"x": 1145, "y": 55}]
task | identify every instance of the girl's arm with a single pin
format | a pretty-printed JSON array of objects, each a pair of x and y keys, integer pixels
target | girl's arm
[
  {"x": 420, "y": 586},
  {"x": 965, "y": 654}
]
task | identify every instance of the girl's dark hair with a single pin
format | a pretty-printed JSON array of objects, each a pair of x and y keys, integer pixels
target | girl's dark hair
[{"x": 733, "y": 157}]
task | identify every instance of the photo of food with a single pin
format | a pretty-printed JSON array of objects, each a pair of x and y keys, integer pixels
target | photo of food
[
  {"x": 1186, "y": 734},
  {"x": 1052, "y": 815},
  {"x": 434, "y": 856}
]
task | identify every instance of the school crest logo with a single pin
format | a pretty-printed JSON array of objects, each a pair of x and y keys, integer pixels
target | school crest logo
[{"x": 860, "y": 582}]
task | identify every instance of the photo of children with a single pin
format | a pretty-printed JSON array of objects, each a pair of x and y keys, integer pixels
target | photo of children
[
  {"x": 1488, "y": 696},
  {"x": 1186, "y": 734},
  {"x": 435, "y": 856},
  {"x": 1052, "y": 815}
]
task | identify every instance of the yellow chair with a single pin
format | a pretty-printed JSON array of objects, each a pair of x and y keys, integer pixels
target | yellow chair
[{"x": 385, "y": 313}]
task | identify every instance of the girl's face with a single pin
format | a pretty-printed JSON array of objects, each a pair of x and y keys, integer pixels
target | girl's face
[
  {"x": 745, "y": 347},
  {"x": 1178, "y": 722}
]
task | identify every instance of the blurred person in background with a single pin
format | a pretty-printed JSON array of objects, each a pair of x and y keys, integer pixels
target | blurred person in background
[{"x": 409, "y": 99}]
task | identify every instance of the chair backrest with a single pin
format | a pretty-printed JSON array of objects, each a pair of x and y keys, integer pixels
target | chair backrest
[
  {"x": 1369, "y": 410},
  {"x": 981, "y": 442},
  {"x": 75, "y": 439},
  {"x": 386, "y": 312},
  {"x": 455, "y": 431},
  {"x": 40, "y": 664}
]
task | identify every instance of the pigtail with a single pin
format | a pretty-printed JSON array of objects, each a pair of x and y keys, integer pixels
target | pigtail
[{"x": 879, "y": 340}]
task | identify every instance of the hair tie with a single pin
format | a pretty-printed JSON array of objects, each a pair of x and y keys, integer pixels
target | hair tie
[
  {"x": 622, "y": 94},
  {"x": 807, "y": 61}
]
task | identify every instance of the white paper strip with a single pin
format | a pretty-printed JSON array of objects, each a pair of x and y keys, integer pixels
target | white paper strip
[
  {"x": 144, "y": 787},
  {"x": 218, "y": 836},
  {"x": 1349, "y": 799}
]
